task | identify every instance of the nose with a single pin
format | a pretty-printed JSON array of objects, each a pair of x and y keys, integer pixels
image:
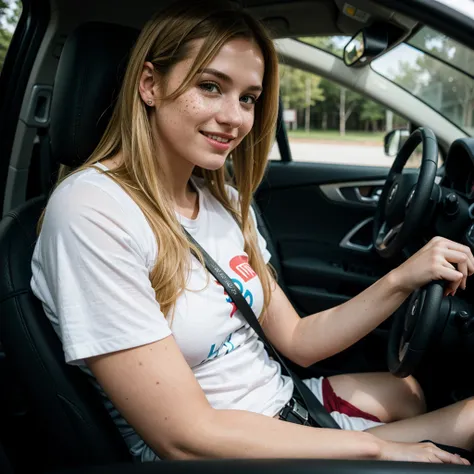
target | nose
[{"x": 230, "y": 112}]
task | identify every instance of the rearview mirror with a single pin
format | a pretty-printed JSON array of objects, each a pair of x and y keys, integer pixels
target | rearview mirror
[
  {"x": 394, "y": 140},
  {"x": 366, "y": 45},
  {"x": 354, "y": 50}
]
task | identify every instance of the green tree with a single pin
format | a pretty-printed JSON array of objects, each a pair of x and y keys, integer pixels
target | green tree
[
  {"x": 299, "y": 90},
  {"x": 339, "y": 99},
  {"x": 371, "y": 112},
  {"x": 445, "y": 88},
  {"x": 9, "y": 15}
]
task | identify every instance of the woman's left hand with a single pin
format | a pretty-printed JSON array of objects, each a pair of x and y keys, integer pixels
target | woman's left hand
[{"x": 436, "y": 261}]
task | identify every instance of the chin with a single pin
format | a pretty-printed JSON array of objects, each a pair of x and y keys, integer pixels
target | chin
[{"x": 212, "y": 164}]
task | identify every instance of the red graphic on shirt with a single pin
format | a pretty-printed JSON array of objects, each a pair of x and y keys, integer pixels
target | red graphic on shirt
[{"x": 241, "y": 266}]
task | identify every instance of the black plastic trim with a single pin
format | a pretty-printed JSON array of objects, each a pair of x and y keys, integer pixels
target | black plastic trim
[
  {"x": 282, "y": 136},
  {"x": 275, "y": 466},
  {"x": 438, "y": 16},
  {"x": 15, "y": 74},
  {"x": 296, "y": 173}
]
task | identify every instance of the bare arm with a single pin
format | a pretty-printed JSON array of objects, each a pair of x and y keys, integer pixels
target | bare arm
[
  {"x": 340, "y": 327},
  {"x": 321, "y": 335},
  {"x": 155, "y": 390}
]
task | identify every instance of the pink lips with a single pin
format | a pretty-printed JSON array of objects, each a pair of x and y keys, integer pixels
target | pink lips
[{"x": 219, "y": 145}]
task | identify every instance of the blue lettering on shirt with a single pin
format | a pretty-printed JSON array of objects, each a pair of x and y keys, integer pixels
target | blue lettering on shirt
[{"x": 226, "y": 347}]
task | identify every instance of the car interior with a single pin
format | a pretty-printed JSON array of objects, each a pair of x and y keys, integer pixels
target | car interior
[{"x": 332, "y": 230}]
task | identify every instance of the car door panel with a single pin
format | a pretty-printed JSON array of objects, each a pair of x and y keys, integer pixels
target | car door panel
[{"x": 322, "y": 229}]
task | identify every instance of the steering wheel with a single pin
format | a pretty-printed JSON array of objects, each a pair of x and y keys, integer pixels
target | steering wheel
[
  {"x": 412, "y": 329},
  {"x": 405, "y": 196},
  {"x": 399, "y": 215}
]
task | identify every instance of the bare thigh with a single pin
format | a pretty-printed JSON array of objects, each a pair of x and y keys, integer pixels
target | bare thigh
[
  {"x": 452, "y": 425},
  {"x": 381, "y": 394}
]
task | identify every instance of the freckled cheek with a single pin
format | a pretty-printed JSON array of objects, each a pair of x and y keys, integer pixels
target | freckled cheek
[{"x": 195, "y": 104}]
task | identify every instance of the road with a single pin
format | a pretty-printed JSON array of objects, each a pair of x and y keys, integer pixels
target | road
[{"x": 341, "y": 153}]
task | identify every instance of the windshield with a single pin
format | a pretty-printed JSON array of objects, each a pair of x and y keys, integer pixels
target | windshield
[
  {"x": 331, "y": 44},
  {"x": 436, "y": 69}
]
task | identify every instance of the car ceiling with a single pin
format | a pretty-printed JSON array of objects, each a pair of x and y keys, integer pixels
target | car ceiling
[{"x": 285, "y": 18}]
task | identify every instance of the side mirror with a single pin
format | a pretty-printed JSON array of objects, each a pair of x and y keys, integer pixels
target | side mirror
[
  {"x": 366, "y": 45},
  {"x": 394, "y": 140}
]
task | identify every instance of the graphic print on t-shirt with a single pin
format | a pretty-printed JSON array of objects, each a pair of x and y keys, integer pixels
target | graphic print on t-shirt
[{"x": 240, "y": 265}]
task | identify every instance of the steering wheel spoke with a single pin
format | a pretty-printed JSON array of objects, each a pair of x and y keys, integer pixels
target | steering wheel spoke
[
  {"x": 402, "y": 352},
  {"x": 414, "y": 328},
  {"x": 386, "y": 236},
  {"x": 406, "y": 196}
]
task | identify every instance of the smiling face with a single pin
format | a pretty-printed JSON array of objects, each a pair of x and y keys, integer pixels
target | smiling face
[{"x": 203, "y": 125}]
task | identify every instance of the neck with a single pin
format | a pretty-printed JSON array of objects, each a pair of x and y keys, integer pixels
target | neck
[
  {"x": 177, "y": 181},
  {"x": 177, "y": 171}
]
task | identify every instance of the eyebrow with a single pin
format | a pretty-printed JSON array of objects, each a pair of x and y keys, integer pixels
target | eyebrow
[{"x": 226, "y": 78}]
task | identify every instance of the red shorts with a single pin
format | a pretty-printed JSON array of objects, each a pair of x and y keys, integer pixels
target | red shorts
[{"x": 334, "y": 403}]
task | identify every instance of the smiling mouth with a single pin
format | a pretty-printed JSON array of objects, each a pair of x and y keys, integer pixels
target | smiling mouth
[{"x": 217, "y": 138}]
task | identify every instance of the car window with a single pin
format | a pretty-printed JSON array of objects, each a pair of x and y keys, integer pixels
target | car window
[
  {"x": 10, "y": 11},
  {"x": 437, "y": 70},
  {"x": 331, "y": 44},
  {"x": 328, "y": 123}
]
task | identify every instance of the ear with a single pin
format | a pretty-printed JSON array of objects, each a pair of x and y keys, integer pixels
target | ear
[{"x": 148, "y": 86}]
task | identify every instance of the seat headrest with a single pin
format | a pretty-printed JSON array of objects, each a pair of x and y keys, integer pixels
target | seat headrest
[{"x": 88, "y": 79}]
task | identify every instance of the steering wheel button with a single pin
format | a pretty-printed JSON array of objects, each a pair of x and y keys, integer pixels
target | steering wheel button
[{"x": 451, "y": 204}]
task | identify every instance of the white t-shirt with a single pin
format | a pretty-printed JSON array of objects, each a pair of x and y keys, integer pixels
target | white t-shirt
[{"x": 91, "y": 267}]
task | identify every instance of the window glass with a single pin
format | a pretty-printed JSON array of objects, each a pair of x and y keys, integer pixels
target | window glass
[
  {"x": 444, "y": 48},
  {"x": 10, "y": 11},
  {"x": 437, "y": 70},
  {"x": 327, "y": 123},
  {"x": 331, "y": 44}
]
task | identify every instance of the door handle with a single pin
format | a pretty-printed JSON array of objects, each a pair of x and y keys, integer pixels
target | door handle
[
  {"x": 347, "y": 243},
  {"x": 361, "y": 193},
  {"x": 374, "y": 197}
]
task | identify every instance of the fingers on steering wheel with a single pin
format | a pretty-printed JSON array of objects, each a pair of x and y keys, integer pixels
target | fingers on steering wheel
[
  {"x": 466, "y": 251},
  {"x": 452, "y": 276},
  {"x": 470, "y": 259},
  {"x": 462, "y": 267},
  {"x": 462, "y": 261}
]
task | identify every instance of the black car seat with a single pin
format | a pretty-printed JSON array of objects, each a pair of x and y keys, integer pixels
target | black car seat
[
  {"x": 76, "y": 430},
  {"x": 5, "y": 466}
]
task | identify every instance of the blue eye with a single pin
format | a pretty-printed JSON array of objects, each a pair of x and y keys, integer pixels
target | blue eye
[
  {"x": 251, "y": 100},
  {"x": 209, "y": 87}
]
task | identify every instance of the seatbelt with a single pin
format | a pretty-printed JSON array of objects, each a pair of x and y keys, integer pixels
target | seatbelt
[{"x": 316, "y": 410}]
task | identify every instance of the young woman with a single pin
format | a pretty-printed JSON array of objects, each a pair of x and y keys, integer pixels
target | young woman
[{"x": 182, "y": 374}]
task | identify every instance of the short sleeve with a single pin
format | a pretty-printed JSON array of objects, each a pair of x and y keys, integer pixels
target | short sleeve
[
  {"x": 262, "y": 243},
  {"x": 90, "y": 270}
]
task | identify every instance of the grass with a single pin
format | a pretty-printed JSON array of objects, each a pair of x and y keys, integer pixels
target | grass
[{"x": 333, "y": 135}]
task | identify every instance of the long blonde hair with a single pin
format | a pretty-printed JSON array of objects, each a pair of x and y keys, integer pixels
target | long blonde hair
[{"x": 164, "y": 41}]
